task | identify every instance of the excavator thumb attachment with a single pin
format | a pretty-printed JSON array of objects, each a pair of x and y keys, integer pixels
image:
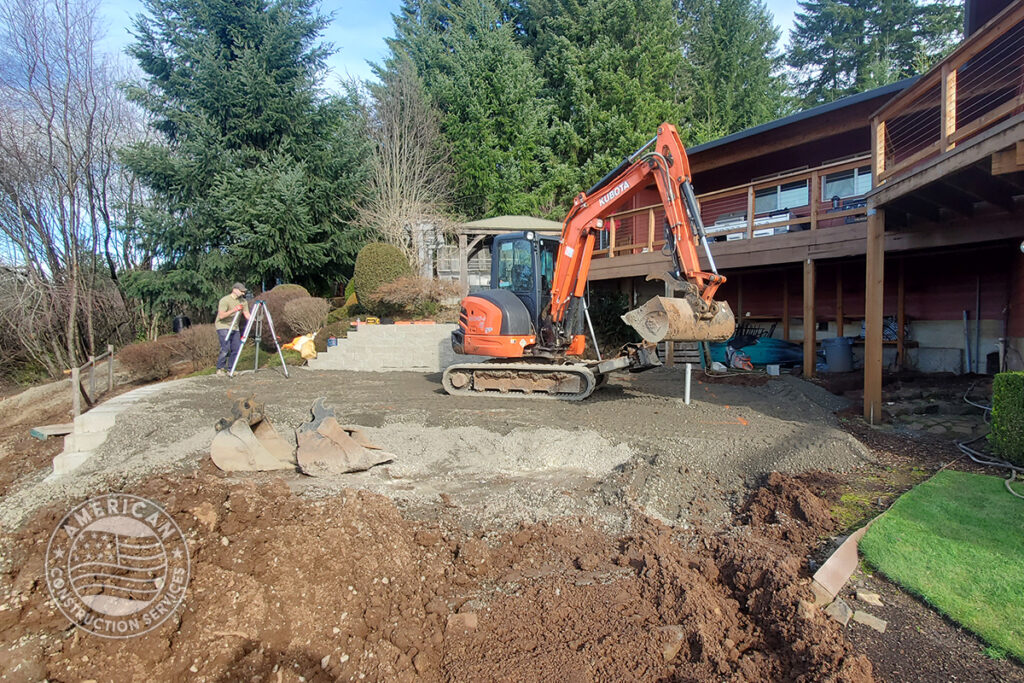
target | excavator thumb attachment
[
  {"x": 326, "y": 447},
  {"x": 676, "y": 319}
]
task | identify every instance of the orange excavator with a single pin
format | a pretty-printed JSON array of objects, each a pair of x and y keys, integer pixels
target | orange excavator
[{"x": 531, "y": 323}]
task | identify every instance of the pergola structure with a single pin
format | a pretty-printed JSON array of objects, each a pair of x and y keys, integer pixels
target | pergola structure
[{"x": 472, "y": 235}]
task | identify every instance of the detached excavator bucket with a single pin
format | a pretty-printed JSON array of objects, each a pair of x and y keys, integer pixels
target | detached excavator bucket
[
  {"x": 248, "y": 442},
  {"x": 671, "y": 319},
  {"x": 239, "y": 448},
  {"x": 326, "y": 447}
]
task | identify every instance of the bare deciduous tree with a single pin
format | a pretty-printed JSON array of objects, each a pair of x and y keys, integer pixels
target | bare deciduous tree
[
  {"x": 410, "y": 193},
  {"x": 64, "y": 198}
]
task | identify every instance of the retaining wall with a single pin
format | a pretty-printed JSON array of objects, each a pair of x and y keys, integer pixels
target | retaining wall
[{"x": 388, "y": 348}]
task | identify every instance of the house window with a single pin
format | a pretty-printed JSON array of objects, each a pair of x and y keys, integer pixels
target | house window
[
  {"x": 781, "y": 197},
  {"x": 851, "y": 183}
]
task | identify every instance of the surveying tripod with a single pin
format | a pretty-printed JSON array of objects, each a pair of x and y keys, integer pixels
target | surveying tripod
[{"x": 255, "y": 324}]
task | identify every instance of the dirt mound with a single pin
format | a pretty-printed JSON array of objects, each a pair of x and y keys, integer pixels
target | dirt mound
[
  {"x": 785, "y": 509},
  {"x": 345, "y": 587}
]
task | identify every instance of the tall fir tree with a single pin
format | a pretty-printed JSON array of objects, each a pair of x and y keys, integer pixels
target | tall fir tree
[
  {"x": 733, "y": 67},
  {"x": 612, "y": 69},
  {"x": 488, "y": 92},
  {"x": 254, "y": 172},
  {"x": 841, "y": 47}
]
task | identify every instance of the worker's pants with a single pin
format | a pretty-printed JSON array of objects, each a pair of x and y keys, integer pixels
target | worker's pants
[{"x": 229, "y": 343}]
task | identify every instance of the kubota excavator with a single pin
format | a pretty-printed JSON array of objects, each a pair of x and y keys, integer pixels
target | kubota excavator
[{"x": 531, "y": 323}]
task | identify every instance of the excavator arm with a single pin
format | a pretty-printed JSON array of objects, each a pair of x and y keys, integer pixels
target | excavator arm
[{"x": 696, "y": 316}]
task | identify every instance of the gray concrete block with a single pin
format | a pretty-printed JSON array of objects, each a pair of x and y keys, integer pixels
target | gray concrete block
[
  {"x": 84, "y": 441},
  {"x": 68, "y": 462}
]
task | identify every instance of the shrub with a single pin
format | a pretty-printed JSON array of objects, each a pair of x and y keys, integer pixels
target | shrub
[
  {"x": 337, "y": 329},
  {"x": 377, "y": 264},
  {"x": 416, "y": 295},
  {"x": 276, "y": 300},
  {"x": 147, "y": 360},
  {"x": 1007, "y": 433},
  {"x": 350, "y": 288},
  {"x": 199, "y": 344},
  {"x": 306, "y": 316},
  {"x": 606, "y": 309}
]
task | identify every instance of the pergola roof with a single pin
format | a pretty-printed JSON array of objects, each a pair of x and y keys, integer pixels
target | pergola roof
[{"x": 509, "y": 224}]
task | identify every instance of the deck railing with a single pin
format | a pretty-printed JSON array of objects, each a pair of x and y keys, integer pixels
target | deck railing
[
  {"x": 733, "y": 213},
  {"x": 975, "y": 87}
]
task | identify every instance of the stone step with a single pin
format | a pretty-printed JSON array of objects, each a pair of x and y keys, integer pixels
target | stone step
[{"x": 84, "y": 441}]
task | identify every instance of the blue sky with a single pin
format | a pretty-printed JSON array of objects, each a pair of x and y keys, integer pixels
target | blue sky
[{"x": 357, "y": 30}]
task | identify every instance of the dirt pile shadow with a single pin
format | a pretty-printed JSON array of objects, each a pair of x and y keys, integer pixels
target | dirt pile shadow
[{"x": 346, "y": 586}]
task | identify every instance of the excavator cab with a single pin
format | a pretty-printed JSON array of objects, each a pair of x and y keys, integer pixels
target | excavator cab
[
  {"x": 524, "y": 263},
  {"x": 502, "y": 321}
]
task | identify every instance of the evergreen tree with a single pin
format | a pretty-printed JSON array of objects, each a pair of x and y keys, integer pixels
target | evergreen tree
[
  {"x": 254, "y": 174},
  {"x": 732, "y": 66},
  {"x": 841, "y": 47},
  {"x": 488, "y": 93},
  {"x": 613, "y": 71}
]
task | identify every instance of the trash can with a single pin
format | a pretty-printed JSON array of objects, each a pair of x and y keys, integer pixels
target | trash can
[
  {"x": 838, "y": 354},
  {"x": 180, "y": 323}
]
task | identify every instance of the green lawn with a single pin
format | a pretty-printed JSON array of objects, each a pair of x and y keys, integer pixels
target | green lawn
[{"x": 957, "y": 541}]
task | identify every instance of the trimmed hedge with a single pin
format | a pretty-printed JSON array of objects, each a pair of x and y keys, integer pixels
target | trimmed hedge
[
  {"x": 377, "y": 264},
  {"x": 1007, "y": 434}
]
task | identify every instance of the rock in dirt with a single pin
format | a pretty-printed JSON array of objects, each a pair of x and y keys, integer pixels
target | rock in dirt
[
  {"x": 464, "y": 621},
  {"x": 673, "y": 638},
  {"x": 870, "y": 598},
  {"x": 870, "y": 620},
  {"x": 839, "y": 611}
]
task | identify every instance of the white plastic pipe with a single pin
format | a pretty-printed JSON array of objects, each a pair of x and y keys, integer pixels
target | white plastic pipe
[{"x": 688, "y": 373}]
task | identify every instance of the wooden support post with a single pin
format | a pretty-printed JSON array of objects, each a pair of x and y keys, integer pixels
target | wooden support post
[
  {"x": 948, "y": 106},
  {"x": 650, "y": 230},
  {"x": 611, "y": 237},
  {"x": 76, "y": 393},
  {"x": 670, "y": 346},
  {"x": 810, "y": 324},
  {"x": 750, "y": 212},
  {"x": 739, "y": 297},
  {"x": 840, "y": 319},
  {"x": 92, "y": 378},
  {"x": 785, "y": 305},
  {"x": 877, "y": 151},
  {"x": 463, "y": 264},
  {"x": 874, "y": 284},
  {"x": 814, "y": 196},
  {"x": 110, "y": 367},
  {"x": 900, "y": 318}
]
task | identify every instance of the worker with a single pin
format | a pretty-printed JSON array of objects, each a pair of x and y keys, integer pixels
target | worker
[{"x": 228, "y": 330}]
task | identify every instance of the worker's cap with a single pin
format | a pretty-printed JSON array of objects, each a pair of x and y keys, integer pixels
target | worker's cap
[{"x": 239, "y": 286}]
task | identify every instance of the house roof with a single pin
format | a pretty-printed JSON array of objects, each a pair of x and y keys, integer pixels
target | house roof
[
  {"x": 885, "y": 91},
  {"x": 512, "y": 223}
]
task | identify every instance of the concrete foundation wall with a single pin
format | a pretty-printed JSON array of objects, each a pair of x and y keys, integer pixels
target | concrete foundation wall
[{"x": 387, "y": 348}]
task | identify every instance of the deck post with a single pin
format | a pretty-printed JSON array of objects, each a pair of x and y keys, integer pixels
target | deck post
[
  {"x": 874, "y": 284},
  {"x": 810, "y": 338}
]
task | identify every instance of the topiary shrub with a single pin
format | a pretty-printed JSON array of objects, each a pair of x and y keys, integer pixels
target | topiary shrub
[
  {"x": 376, "y": 265},
  {"x": 350, "y": 288},
  {"x": 200, "y": 345},
  {"x": 1007, "y": 434},
  {"x": 306, "y": 316},
  {"x": 146, "y": 361},
  {"x": 276, "y": 299}
]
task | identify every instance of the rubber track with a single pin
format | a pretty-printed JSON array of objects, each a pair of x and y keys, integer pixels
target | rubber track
[{"x": 588, "y": 376}]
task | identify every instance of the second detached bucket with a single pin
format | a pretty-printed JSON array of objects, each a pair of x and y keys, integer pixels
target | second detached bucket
[{"x": 838, "y": 354}]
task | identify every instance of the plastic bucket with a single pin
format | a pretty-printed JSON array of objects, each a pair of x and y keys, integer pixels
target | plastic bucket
[
  {"x": 838, "y": 354},
  {"x": 332, "y": 341}
]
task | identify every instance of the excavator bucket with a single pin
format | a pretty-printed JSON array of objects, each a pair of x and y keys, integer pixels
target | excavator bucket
[
  {"x": 240, "y": 449},
  {"x": 675, "y": 319},
  {"x": 248, "y": 442},
  {"x": 326, "y": 447}
]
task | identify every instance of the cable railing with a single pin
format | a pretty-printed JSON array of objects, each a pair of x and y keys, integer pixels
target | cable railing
[
  {"x": 978, "y": 85},
  {"x": 826, "y": 196}
]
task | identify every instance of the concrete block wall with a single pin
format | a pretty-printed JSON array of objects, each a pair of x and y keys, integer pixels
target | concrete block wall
[{"x": 389, "y": 348}]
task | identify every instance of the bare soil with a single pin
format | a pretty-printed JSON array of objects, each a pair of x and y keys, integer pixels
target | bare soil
[{"x": 626, "y": 537}]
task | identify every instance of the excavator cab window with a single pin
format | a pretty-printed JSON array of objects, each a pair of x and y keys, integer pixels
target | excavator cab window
[
  {"x": 515, "y": 266},
  {"x": 548, "y": 256}
]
